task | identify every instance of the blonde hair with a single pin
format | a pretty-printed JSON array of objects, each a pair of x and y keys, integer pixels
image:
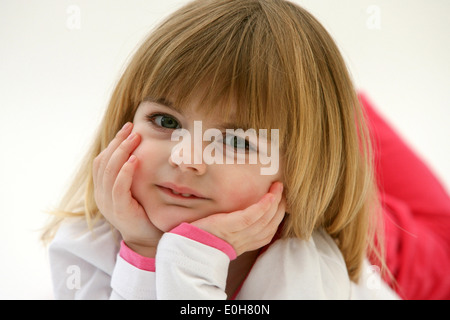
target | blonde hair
[{"x": 283, "y": 70}]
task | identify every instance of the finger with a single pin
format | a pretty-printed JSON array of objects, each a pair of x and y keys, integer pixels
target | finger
[
  {"x": 118, "y": 159},
  {"x": 278, "y": 216},
  {"x": 277, "y": 190},
  {"x": 243, "y": 219},
  {"x": 281, "y": 212},
  {"x": 263, "y": 234},
  {"x": 103, "y": 158},
  {"x": 121, "y": 191}
]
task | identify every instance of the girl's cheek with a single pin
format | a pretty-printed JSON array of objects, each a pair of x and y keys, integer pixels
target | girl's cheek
[
  {"x": 250, "y": 188},
  {"x": 152, "y": 157},
  {"x": 245, "y": 192},
  {"x": 149, "y": 147}
]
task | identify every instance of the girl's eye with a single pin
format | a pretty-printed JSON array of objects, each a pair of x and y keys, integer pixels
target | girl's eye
[
  {"x": 164, "y": 121},
  {"x": 237, "y": 142}
]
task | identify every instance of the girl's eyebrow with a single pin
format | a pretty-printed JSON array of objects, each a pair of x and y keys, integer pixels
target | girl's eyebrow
[
  {"x": 232, "y": 126},
  {"x": 162, "y": 101},
  {"x": 221, "y": 126},
  {"x": 229, "y": 125}
]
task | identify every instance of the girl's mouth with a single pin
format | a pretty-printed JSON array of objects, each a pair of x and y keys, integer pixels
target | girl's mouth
[{"x": 179, "y": 192}]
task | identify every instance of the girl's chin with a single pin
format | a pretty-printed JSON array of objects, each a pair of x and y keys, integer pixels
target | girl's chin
[
  {"x": 167, "y": 217},
  {"x": 168, "y": 222}
]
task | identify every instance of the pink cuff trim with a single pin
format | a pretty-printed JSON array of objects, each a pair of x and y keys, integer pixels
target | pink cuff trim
[
  {"x": 135, "y": 259},
  {"x": 189, "y": 231}
]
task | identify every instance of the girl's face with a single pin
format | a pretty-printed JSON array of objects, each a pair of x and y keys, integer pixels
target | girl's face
[{"x": 172, "y": 192}]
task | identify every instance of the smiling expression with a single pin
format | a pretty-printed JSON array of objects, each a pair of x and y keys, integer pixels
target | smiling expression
[{"x": 173, "y": 193}]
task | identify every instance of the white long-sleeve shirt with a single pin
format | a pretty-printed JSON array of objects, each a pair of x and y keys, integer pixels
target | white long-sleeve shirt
[{"x": 192, "y": 264}]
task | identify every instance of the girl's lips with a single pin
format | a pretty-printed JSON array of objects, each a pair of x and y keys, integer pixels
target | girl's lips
[{"x": 179, "y": 192}]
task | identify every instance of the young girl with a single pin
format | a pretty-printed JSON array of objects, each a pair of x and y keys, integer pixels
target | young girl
[{"x": 165, "y": 229}]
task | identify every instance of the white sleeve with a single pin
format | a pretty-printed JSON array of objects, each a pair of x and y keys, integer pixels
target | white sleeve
[
  {"x": 86, "y": 265},
  {"x": 189, "y": 269},
  {"x": 131, "y": 283}
]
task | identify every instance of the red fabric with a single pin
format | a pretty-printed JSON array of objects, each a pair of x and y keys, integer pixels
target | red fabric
[{"x": 416, "y": 215}]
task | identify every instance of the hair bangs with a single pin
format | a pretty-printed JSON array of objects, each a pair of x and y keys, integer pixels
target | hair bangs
[{"x": 216, "y": 60}]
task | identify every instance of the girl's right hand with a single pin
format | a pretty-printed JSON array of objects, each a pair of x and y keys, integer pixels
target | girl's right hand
[
  {"x": 251, "y": 228},
  {"x": 113, "y": 171}
]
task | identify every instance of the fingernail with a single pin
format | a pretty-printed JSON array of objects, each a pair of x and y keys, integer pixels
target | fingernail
[
  {"x": 278, "y": 187},
  {"x": 132, "y": 159},
  {"x": 131, "y": 136},
  {"x": 126, "y": 126}
]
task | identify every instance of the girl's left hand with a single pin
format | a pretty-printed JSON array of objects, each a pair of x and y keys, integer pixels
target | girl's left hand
[{"x": 251, "y": 228}]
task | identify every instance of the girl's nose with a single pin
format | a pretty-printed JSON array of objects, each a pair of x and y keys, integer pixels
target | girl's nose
[
  {"x": 188, "y": 160},
  {"x": 198, "y": 169}
]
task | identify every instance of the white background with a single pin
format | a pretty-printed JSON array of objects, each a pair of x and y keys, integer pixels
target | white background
[{"x": 56, "y": 78}]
